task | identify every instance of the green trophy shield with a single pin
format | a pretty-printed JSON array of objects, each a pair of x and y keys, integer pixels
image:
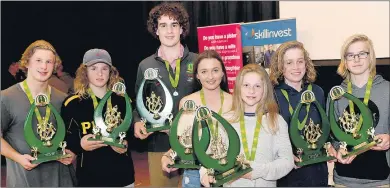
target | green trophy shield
[
  {"x": 155, "y": 115},
  {"x": 182, "y": 155},
  {"x": 225, "y": 167},
  {"x": 362, "y": 139},
  {"x": 108, "y": 129},
  {"x": 51, "y": 139},
  {"x": 311, "y": 146}
]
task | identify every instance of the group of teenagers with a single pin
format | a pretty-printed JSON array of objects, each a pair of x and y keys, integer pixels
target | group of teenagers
[{"x": 259, "y": 108}]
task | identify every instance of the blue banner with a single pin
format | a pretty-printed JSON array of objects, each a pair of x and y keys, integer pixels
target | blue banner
[{"x": 268, "y": 32}]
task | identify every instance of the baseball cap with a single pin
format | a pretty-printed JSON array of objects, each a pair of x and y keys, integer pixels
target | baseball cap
[{"x": 93, "y": 56}]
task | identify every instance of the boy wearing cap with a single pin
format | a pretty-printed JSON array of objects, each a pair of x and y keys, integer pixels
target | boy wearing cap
[
  {"x": 169, "y": 22},
  {"x": 39, "y": 61},
  {"x": 98, "y": 164}
]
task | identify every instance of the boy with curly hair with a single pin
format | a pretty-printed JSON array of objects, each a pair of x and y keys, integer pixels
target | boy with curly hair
[{"x": 168, "y": 22}]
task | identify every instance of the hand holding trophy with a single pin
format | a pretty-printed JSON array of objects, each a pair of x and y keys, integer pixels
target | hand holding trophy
[
  {"x": 352, "y": 129},
  {"x": 155, "y": 113},
  {"x": 183, "y": 155},
  {"x": 311, "y": 146},
  {"x": 112, "y": 127},
  {"x": 51, "y": 138}
]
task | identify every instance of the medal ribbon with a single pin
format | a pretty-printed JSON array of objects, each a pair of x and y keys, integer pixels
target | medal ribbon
[
  {"x": 210, "y": 121},
  {"x": 365, "y": 100},
  {"x": 290, "y": 109},
  {"x": 250, "y": 155},
  {"x": 174, "y": 82},
  {"x": 30, "y": 98},
  {"x": 94, "y": 100}
]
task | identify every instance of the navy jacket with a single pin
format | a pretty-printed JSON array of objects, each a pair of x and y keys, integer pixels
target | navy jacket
[{"x": 311, "y": 175}]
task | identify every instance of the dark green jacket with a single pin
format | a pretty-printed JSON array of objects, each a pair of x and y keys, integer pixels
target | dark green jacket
[{"x": 158, "y": 141}]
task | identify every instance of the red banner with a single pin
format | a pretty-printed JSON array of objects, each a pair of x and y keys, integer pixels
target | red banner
[{"x": 226, "y": 40}]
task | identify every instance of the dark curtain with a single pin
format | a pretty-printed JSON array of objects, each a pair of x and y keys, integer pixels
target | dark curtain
[
  {"x": 207, "y": 13},
  {"x": 119, "y": 27}
]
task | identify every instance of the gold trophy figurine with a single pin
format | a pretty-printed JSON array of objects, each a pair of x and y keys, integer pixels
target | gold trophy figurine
[{"x": 312, "y": 133}]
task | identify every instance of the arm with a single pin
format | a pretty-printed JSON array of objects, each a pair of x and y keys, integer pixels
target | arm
[
  {"x": 284, "y": 161},
  {"x": 166, "y": 160},
  {"x": 382, "y": 129},
  {"x": 11, "y": 153},
  {"x": 6, "y": 149}
]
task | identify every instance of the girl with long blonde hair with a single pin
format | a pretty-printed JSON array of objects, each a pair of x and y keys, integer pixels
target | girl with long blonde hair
[{"x": 263, "y": 132}]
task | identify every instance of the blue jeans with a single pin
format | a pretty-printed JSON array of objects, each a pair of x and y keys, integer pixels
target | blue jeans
[{"x": 191, "y": 178}]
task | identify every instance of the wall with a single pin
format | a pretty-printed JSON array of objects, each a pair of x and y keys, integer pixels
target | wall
[{"x": 324, "y": 26}]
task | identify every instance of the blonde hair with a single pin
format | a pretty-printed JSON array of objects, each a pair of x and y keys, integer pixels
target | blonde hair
[
  {"x": 81, "y": 82},
  {"x": 277, "y": 63},
  {"x": 342, "y": 69},
  {"x": 30, "y": 50},
  {"x": 267, "y": 102}
]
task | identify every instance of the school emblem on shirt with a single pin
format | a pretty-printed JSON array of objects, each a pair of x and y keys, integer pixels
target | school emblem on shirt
[
  {"x": 190, "y": 68},
  {"x": 190, "y": 71}
]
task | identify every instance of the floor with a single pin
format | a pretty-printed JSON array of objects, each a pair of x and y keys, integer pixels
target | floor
[{"x": 140, "y": 161}]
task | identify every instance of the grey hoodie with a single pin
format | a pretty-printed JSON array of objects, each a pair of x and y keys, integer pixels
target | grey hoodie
[{"x": 372, "y": 167}]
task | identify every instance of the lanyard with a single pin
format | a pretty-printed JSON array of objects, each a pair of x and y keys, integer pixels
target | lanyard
[
  {"x": 210, "y": 121},
  {"x": 365, "y": 100},
  {"x": 94, "y": 100},
  {"x": 290, "y": 109},
  {"x": 174, "y": 82},
  {"x": 30, "y": 98},
  {"x": 250, "y": 155}
]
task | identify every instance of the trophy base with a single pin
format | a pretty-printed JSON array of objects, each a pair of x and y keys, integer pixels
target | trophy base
[
  {"x": 230, "y": 175},
  {"x": 361, "y": 149},
  {"x": 185, "y": 165},
  {"x": 156, "y": 128},
  {"x": 314, "y": 161},
  {"x": 52, "y": 156},
  {"x": 108, "y": 141}
]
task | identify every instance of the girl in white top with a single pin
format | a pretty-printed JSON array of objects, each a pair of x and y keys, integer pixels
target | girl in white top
[{"x": 264, "y": 141}]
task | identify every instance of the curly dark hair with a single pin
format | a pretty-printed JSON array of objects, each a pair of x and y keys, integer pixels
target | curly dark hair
[{"x": 174, "y": 10}]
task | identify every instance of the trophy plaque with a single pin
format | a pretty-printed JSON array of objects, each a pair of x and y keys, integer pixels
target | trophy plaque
[
  {"x": 183, "y": 155},
  {"x": 225, "y": 163},
  {"x": 112, "y": 129},
  {"x": 347, "y": 129},
  {"x": 46, "y": 148},
  {"x": 155, "y": 113},
  {"x": 311, "y": 146}
]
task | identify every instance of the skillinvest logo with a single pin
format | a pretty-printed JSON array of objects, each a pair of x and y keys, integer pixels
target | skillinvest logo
[{"x": 267, "y": 34}]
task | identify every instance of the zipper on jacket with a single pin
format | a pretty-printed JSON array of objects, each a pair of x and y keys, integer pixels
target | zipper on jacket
[{"x": 82, "y": 159}]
